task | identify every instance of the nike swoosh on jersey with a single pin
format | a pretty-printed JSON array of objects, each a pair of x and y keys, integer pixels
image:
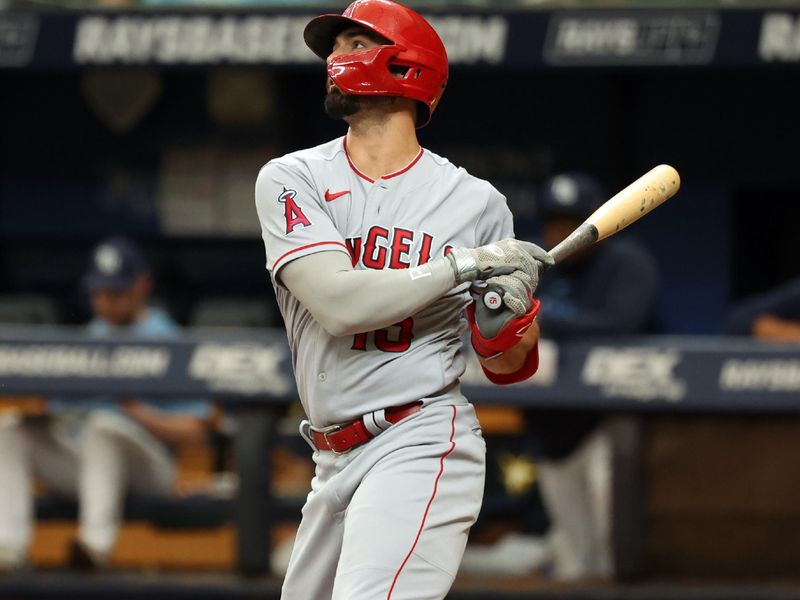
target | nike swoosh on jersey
[{"x": 331, "y": 197}]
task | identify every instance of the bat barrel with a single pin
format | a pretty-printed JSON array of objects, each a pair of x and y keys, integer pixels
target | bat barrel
[{"x": 639, "y": 198}]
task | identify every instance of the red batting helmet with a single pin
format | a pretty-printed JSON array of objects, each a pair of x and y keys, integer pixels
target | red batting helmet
[{"x": 415, "y": 46}]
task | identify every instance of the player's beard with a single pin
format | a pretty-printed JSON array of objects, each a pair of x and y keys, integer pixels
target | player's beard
[{"x": 339, "y": 105}]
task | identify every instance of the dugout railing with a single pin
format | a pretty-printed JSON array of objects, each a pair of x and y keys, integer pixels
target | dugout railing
[{"x": 250, "y": 372}]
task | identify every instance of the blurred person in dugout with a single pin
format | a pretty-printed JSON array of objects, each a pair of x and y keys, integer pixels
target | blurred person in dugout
[
  {"x": 608, "y": 290},
  {"x": 97, "y": 449},
  {"x": 772, "y": 316}
]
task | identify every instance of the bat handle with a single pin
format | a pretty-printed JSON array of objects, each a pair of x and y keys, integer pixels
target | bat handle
[
  {"x": 493, "y": 298},
  {"x": 583, "y": 237}
]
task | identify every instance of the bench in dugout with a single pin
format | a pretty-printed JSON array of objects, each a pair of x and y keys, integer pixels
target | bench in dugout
[{"x": 197, "y": 526}]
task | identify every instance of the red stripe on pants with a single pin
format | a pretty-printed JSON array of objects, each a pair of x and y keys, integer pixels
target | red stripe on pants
[{"x": 430, "y": 501}]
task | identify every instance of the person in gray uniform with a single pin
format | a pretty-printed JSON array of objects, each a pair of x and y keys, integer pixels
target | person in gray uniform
[{"x": 374, "y": 246}]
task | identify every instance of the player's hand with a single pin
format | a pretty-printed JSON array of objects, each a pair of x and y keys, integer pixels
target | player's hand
[
  {"x": 516, "y": 291},
  {"x": 500, "y": 258}
]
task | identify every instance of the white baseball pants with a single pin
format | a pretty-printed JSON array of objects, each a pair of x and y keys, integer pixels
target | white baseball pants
[{"x": 390, "y": 519}]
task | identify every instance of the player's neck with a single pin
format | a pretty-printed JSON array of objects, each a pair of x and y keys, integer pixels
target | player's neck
[{"x": 381, "y": 146}]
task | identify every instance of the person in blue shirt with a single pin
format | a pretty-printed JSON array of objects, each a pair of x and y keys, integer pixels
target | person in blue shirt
[{"x": 98, "y": 449}]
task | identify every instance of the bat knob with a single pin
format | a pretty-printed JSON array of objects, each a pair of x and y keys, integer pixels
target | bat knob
[{"x": 492, "y": 300}]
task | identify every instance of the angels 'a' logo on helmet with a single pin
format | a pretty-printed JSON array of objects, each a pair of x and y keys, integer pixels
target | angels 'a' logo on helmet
[{"x": 292, "y": 211}]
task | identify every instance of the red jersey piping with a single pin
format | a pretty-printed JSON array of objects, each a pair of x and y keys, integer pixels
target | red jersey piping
[
  {"x": 353, "y": 166},
  {"x": 407, "y": 167},
  {"x": 390, "y": 175},
  {"x": 430, "y": 501},
  {"x": 293, "y": 250}
]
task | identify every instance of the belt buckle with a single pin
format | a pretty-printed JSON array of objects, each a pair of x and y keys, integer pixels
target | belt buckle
[{"x": 330, "y": 429}]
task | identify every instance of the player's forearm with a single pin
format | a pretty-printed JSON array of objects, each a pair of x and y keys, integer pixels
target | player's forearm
[
  {"x": 772, "y": 328},
  {"x": 513, "y": 359},
  {"x": 347, "y": 301}
]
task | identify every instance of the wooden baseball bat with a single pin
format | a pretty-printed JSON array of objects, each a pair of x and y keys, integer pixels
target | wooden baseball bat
[{"x": 652, "y": 189}]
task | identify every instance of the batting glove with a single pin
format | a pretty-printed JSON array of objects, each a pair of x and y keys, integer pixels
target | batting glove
[
  {"x": 516, "y": 291},
  {"x": 500, "y": 258},
  {"x": 495, "y": 331}
]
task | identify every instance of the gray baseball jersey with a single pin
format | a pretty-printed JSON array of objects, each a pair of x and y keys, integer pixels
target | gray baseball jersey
[
  {"x": 389, "y": 519},
  {"x": 316, "y": 200}
]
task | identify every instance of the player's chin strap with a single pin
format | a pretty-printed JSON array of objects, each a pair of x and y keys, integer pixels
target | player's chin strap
[{"x": 508, "y": 336}]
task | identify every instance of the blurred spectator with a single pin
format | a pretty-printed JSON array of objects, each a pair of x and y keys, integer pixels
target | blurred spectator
[
  {"x": 100, "y": 448},
  {"x": 608, "y": 290},
  {"x": 772, "y": 316}
]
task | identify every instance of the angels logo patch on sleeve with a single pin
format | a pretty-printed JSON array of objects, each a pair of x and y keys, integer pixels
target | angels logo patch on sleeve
[{"x": 292, "y": 211}]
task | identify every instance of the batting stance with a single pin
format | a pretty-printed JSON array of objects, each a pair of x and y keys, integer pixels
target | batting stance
[{"x": 373, "y": 244}]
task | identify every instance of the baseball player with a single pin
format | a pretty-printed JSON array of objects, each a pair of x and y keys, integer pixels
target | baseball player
[{"x": 373, "y": 244}]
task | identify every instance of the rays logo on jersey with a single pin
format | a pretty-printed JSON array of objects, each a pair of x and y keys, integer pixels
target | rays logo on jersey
[{"x": 293, "y": 213}]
